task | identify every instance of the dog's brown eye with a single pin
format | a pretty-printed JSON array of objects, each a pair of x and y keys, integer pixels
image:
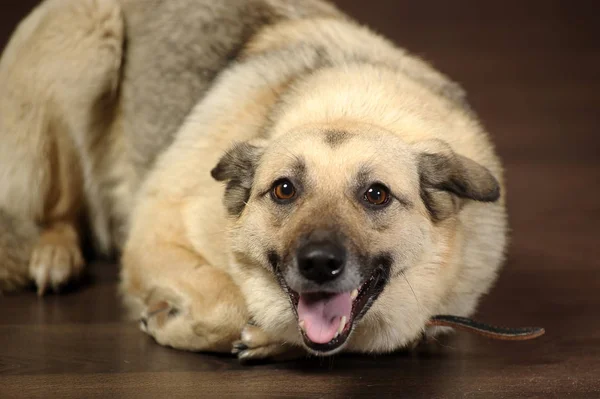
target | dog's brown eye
[
  {"x": 377, "y": 194},
  {"x": 284, "y": 190}
]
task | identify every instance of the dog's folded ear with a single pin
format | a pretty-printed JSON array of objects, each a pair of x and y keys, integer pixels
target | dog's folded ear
[
  {"x": 237, "y": 168},
  {"x": 447, "y": 179}
]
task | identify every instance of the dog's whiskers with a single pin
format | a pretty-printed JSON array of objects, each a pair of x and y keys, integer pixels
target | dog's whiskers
[
  {"x": 413, "y": 291},
  {"x": 249, "y": 204}
]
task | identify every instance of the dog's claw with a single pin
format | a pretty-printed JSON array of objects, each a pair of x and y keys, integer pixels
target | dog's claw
[
  {"x": 255, "y": 345},
  {"x": 41, "y": 285},
  {"x": 144, "y": 324},
  {"x": 238, "y": 347},
  {"x": 52, "y": 266}
]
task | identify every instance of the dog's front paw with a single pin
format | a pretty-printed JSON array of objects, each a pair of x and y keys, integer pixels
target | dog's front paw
[
  {"x": 155, "y": 317},
  {"x": 256, "y": 345},
  {"x": 54, "y": 265},
  {"x": 188, "y": 323},
  {"x": 171, "y": 325}
]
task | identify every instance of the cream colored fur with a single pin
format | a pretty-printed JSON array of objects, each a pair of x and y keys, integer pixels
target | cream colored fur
[
  {"x": 57, "y": 74},
  {"x": 193, "y": 273},
  {"x": 459, "y": 258}
]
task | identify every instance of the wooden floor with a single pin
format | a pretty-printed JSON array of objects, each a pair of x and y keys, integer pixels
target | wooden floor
[{"x": 533, "y": 72}]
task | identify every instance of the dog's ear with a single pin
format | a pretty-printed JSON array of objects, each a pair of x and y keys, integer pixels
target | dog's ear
[
  {"x": 237, "y": 168},
  {"x": 447, "y": 179}
]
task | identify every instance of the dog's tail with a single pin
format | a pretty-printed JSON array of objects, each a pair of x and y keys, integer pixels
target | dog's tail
[{"x": 17, "y": 239}]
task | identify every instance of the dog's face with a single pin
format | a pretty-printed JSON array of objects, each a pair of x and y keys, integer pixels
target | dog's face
[{"x": 336, "y": 214}]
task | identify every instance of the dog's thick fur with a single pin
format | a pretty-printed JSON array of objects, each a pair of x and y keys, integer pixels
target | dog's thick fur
[{"x": 114, "y": 113}]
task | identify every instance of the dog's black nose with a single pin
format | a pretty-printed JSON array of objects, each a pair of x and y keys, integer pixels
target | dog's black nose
[{"x": 321, "y": 262}]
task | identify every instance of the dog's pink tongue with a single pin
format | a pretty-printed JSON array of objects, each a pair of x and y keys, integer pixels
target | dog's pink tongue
[{"x": 322, "y": 314}]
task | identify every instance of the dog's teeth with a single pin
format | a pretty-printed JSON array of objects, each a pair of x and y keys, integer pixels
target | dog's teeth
[
  {"x": 342, "y": 325},
  {"x": 301, "y": 325},
  {"x": 354, "y": 294}
]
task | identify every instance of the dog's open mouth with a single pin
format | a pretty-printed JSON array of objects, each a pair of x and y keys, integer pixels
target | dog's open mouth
[{"x": 327, "y": 319}]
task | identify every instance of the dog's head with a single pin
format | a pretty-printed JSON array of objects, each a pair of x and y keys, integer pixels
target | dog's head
[{"x": 337, "y": 214}]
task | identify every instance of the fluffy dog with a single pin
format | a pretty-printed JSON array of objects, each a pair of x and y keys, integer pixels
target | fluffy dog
[{"x": 281, "y": 177}]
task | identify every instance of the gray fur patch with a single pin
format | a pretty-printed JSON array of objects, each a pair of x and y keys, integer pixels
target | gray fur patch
[
  {"x": 174, "y": 51},
  {"x": 335, "y": 138},
  {"x": 237, "y": 168},
  {"x": 298, "y": 170}
]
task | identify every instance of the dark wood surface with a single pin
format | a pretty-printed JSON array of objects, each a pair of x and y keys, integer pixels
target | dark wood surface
[{"x": 533, "y": 73}]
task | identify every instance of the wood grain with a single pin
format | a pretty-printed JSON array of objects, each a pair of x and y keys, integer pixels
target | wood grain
[{"x": 532, "y": 70}]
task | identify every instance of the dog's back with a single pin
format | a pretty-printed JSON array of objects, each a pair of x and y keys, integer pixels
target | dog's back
[
  {"x": 93, "y": 92},
  {"x": 175, "y": 49}
]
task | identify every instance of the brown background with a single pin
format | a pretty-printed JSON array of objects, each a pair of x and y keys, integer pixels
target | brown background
[{"x": 532, "y": 70}]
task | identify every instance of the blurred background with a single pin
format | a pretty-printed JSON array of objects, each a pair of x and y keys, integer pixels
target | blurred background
[{"x": 532, "y": 72}]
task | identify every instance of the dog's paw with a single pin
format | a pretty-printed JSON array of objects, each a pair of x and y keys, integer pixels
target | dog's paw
[
  {"x": 255, "y": 345},
  {"x": 156, "y": 317},
  {"x": 54, "y": 265},
  {"x": 168, "y": 324},
  {"x": 181, "y": 322}
]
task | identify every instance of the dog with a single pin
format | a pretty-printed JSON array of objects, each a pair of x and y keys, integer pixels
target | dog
[{"x": 278, "y": 178}]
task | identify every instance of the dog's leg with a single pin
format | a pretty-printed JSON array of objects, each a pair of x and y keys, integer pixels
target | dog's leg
[
  {"x": 183, "y": 301},
  {"x": 189, "y": 304},
  {"x": 195, "y": 317},
  {"x": 57, "y": 257},
  {"x": 57, "y": 75}
]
